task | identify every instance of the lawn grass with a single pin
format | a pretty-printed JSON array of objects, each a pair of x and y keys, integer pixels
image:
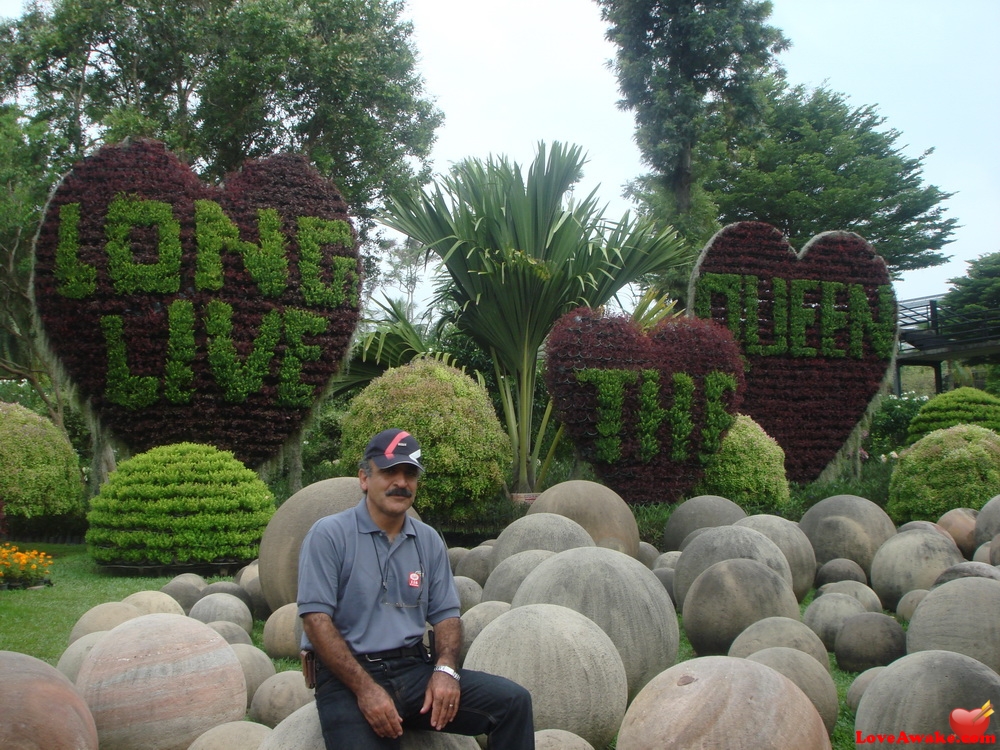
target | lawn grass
[{"x": 39, "y": 622}]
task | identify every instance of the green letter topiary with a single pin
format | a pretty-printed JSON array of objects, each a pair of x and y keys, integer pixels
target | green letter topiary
[
  {"x": 749, "y": 468},
  {"x": 960, "y": 406},
  {"x": 954, "y": 468},
  {"x": 464, "y": 448},
  {"x": 39, "y": 470},
  {"x": 179, "y": 504}
]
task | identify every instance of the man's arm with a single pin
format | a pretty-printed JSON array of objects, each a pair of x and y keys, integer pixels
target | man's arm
[
  {"x": 443, "y": 692},
  {"x": 375, "y": 704}
]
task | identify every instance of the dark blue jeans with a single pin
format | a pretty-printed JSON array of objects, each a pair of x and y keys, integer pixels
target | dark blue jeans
[{"x": 490, "y": 705}]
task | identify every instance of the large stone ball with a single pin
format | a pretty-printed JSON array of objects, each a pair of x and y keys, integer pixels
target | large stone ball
[
  {"x": 984, "y": 554},
  {"x": 911, "y": 560},
  {"x": 103, "y": 617},
  {"x": 730, "y": 596},
  {"x": 698, "y": 512},
  {"x": 863, "y": 593},
  {"x": 961, "y": 524},
  {"x": 988, "y": 521},
  {"x": 539, "y": 531},
  {"x": 725, "y": 543},
  {"x": 506, "y": 577},
  {"x": 282, "y": 540},
  {"x": 967, "y": 569},
  {"x": 667, "y": 560},
  {"x": 250, "y": 583},
  {"x": 560, "y": 739},
  {"x": 963, "y": 616},
  {"x": 793, "y": 543},
  {"x": 918, "y": 692},
  {"x": 160, "y": 681},
  {"x": 476, "y": 564},
  {"x": 717, "y": 702},
  {"x": 840, "y": 569},
  {"x": 40, "y": 709},
  {"x": 470, "y": 593},
  {"x": 278, "y": 697},
  {"x": 810, "y": 676},
  {"x": 233, "y": 735},
  {"x": 648, "y": 554},
  {"x": 232, "y": 632},
  {"x": 826, "y": 614},
  {"x": 908, "y": 604},
  {"x": 858, "y": 687},
  {"x": 780, "y": 631},
  {"x": 621, "y": 595},
  {"x": 569, "y": 665},
  {"x": 257, "y": 667},
  {"x": 300, "y": 731},
  {"x": 230, "y": 587},
  {"x": 283, "y": 633},
  {"x": 598, "y": 509},
  {"x": 71, "y": 659},
  {"x": 478, "y": 618},
  {"x": 454, "y": 555},
  {"x": 152, "y": 602},
  {"x": 184, "y": 592},
  {"x": 847, "y": 526},
  {"x": 222, "y": 606},
  {"x": 870, "y": 639}
]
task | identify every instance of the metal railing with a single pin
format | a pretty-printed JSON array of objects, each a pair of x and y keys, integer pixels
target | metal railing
[{"x": 925, "y": 323}]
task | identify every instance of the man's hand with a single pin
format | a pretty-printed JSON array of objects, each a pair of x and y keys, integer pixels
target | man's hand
[
  {"x": 441, "y": 698},
  {"x": 380, "y": 711}
]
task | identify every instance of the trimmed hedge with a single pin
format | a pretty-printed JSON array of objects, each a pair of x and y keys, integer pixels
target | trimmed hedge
[
  {"x": 954, "y": 468},
  {"x": 960, "y": 406},
  {"x": 179, "y": 504}
]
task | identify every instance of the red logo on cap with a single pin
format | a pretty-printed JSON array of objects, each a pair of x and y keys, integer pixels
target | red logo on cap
[{"x": 392, "y": 446}]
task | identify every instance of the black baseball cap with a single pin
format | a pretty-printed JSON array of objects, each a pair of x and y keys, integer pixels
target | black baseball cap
[{"x": 392, "y": 447}]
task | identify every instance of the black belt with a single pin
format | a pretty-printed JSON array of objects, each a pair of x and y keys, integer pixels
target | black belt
[{"x": 395, "y": 653}]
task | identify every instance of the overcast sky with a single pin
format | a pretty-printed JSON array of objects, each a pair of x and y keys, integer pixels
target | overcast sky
[{"x": 510, "y": 73}]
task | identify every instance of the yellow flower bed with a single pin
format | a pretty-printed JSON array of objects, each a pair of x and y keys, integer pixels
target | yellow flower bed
[{"x": 28, "y": 568}]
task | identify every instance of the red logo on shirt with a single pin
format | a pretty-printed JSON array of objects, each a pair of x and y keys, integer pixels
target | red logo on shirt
[{"x": 415, "y": 579}]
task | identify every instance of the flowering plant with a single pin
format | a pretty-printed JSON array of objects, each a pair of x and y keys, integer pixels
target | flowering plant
[{"x": 28, "y": 568}]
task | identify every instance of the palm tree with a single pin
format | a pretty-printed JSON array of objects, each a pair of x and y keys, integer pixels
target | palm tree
[{"x": 517, "y": 256}]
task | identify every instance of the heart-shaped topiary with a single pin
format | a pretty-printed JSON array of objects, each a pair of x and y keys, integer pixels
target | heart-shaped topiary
[
  {"x": 185, "y": 312},
  {"x": 817, "y": 329},
  {"x": 646, "y": 410}
]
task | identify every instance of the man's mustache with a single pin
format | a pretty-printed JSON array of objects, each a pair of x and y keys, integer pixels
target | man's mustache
[{"x": 399, "y": 492}]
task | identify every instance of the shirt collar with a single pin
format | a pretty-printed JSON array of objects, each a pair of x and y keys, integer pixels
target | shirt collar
[{"x": 367, "y": 526}]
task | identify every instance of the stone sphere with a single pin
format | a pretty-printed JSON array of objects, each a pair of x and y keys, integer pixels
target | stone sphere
[
  {"x": 252, "y": 567},
  {"x": 988, "y": 521},
  {"x": 694, "y": 535},
  {"x": 478, "y": 618},
  {"x": 152, "y": 602},
  {"x": 572, "y": 669},
  {"x": 259, "y": 606},
  {"x": 858, "y": 687},
  {"x": 730, "y": 596},
  {"x": 212, "y": 607},
  {"x": 983, "y": 554},
  {"x": 994, "y": 551},
  {"x": 454, "y": 555},
  {"x": 961, "y": 524},
  {"x": 103, "y": 617},
  {"x": 925, "y": 526},
  {"x": 667, "y": 560},
  {"x": 725, "y": 543},
  {"x": 503, "y": 581},
  {"x": 911, "y": 560},
  {"x": 621, "y": 595},
  {"x": 195, "y": 579},
  {"x": 699, "y": 512},
  {"x": 908, "y": 604},
  {"x": 919, "y": 691},
  {"x": 780, "y": 631},
  {"x": 233, "y": 735},
  {"x": 666, "y": 577},
  {"x": 230, "y": 587},
  {"x": 283, "y": 633},
  {"x": 470, "y": 593},
  {"x": 826, "y": 614},
  {"x": 476, "y": 564},
  {"x": 707, "y": 702},
  {"x": 840, "y": 569},
  {"x": 793, "y": 543},
  {"x": 40, "y": 708},
  {"x": 598, "y": 509},
  {"x": 871, "y": 639},
  {"x": 257, "y": 667},
  {"x": 299, "y": 731},
  {"x": 71, "y": 659},
  {"x": 560, "y": 739},
  {"x": 810, "y": 676},
  {"x": 847, "y": 526},
  {"x": 539, "y": 531},
  {"x": 963, "y": 616},
  {"x": 278, "y": 697},
  {"x": 229, "y": 630},
  {"x": 863, "y": 593},
  {"x": 648, "y": 554},
  {"x": 278, "y": 561},
  {"x": 967, "y": 569},
  {"x": 183, "y": 592},
  {"x": 160, "y": 681}
]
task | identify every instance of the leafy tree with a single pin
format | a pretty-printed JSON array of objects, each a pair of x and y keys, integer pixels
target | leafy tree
[
  {"x": 222, "y": 81},
  {"x": 517, "y": 257},
  {"x": 816, "y": 164},
  {"x": 979, "y": 289}
]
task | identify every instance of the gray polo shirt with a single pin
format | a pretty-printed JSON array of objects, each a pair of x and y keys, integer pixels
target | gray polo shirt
[{"x": 378, "y": 594}]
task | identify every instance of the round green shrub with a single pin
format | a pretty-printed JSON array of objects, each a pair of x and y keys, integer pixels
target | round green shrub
[
  {"x": 954, "y": 468},
  {"x": 180, "y": 504},
  {"x": 960, "y": 406},
  {"x": 464, "y": 449},
  {"x": 749, "y": 468},
  {"x": 890, "y": 423},
  {"x": 39, "y": 470}
]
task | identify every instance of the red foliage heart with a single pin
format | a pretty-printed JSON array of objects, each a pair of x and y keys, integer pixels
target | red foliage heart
[
  {"x": 817, "y": 329},
  {"x": 184, "y": 311},
  {"x": 645, "y": 410}
]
